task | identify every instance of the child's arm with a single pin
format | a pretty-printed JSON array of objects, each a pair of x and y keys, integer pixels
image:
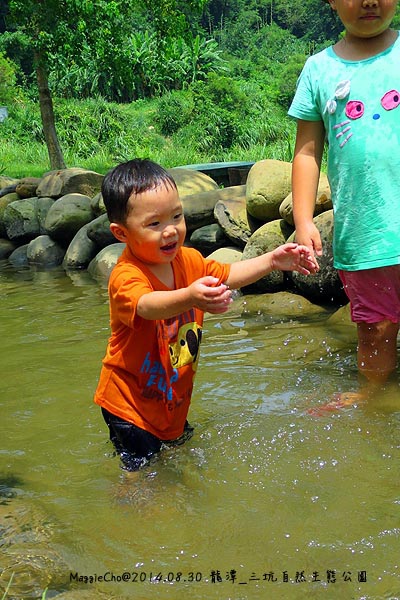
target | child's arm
[
  {"x": 206, "y": 295},
  {"x": 202, "y": 293},
  {"x": 288, "y": 257},
  {"x": 305, "y": 177}
]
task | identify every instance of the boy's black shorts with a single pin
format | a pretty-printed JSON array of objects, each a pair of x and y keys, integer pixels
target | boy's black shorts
[{"x": 136, "y": 446}]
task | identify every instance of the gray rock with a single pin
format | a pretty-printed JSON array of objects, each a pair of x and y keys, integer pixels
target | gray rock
[
  {"x": 44, "y": 252},
  {"x": 265, "y": 239},
  {"x": 280, "y": 305},
  {"x": 268, "y": 184},
  {"x": 67, "y": 215},
  {"x": 70, "y": 181},
  {"x": 103, "y": 263},
  {"x": 80, "y": 251},
  {"x": 208, "y": 238},
  {"x": 26, "y": 187},
  {"x": 324, "y": 286},
  {"x": 99, "y": 232},
  {"x": 6, "y": 248},
  {"x": 19, "y": 258},
  {"x": 226, "y": 255},
  {"x": 190, "y": 181},
  {"x": 323, "y": 201},
  {"x": 97, "y": 204},
  {"x": 21, "y": 220},
  {"x": 43, "y": 206},
  {"x": 8, "y": 182},
  {"x": 4, "y": 202},
  {"x": 199, "y": 208},
  {"x": 231, "y": 213},
  {"x": 341, "y": 316}
]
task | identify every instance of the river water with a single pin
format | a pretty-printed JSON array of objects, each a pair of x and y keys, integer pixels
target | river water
[{"x": 265, "y": 501}]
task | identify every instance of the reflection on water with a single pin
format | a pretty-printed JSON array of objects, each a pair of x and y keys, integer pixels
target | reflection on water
[{"x": 264, "y": 501}]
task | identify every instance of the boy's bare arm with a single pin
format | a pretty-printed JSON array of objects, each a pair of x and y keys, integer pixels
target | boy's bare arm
[
  {"x": 305, "y": 178},
  {"x": 203, "y": 293},
  {"x": 288, "y": 257}
]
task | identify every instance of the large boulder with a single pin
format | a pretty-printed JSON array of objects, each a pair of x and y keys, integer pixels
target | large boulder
[
  {"x": 67, "y": 215},
  {"x": 27, "y": 187},
  {"x": 8, "y": 185},
  {"x": 231, "y": 213},
  {"x": 226, "y": 255},
  {"x": 43, "y": 251},
  {"x": 99, "y": 232},
  {"x": 19, "y": 257},
  {"x": 5, "y": 182},
  {"x": 323, "y": 201},
  {"x": 4, "y": 202},
  {"x": 189, "y": 181},
  {"x": 25, "y": 219},
  {"x": 280, "y": 305},
  {"x": 199, "y": 208},
  {"x": 265, "y": 239},
  {"x": 324, "y": 286},
  {"x": 80, "y": 251},
  {"x": 103, "y": 263},
  {"x": 97, "y": 204},
  {"x": 67, "y": 181},
  {"x": 268, "y": 184},
  {"x": 208, "y": 238}
]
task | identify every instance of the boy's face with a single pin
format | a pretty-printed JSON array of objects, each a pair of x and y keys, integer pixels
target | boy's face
[
  {"x": 365, "y": 18},
  {"x": 155, "y": 227}
]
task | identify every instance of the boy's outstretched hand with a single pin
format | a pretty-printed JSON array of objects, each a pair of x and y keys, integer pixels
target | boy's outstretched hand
[
  {"x": 294, "y": 257},
  {"x": 210, "y": 297}
]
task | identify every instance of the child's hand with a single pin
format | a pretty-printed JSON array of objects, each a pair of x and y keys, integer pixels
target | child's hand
[
  {"x": 293, "y": 257},
  {"x": 309, "y": 235},
  {"x": 209, "y": 297}
]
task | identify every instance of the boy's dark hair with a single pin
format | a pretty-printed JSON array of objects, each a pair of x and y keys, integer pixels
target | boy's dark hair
[{"x": 133, "y": 177}]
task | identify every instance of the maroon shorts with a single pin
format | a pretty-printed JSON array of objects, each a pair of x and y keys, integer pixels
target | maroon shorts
[{"x": 374, "y": 294}]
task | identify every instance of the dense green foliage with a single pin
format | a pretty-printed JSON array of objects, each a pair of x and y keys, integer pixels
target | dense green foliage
[{"x": 179, "y": 81}]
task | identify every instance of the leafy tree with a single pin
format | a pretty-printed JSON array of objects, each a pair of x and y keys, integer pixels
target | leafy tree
[
  {"x": 8, "y": 80},
  {"x": 36, "y": 19},
  {"x": 56, "y": 28}
]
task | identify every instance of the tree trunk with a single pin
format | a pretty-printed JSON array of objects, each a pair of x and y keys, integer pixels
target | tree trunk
[{"x": 47, "y": 113}]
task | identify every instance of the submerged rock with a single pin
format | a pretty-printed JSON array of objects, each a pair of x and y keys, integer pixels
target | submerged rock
[
  {"x": 102, "y": 264},
  {"x": 43, "y": 251}
]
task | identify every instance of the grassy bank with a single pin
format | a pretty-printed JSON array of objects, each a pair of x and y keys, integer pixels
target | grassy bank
[{"x": 174, "y": 130}]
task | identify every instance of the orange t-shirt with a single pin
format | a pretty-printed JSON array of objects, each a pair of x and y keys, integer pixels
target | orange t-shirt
[{"x": 149, "y": 366}]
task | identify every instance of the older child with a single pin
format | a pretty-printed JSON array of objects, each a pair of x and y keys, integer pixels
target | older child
[
  {"x": 350, "y": 94},
  {"x": 158, "y": 291}
]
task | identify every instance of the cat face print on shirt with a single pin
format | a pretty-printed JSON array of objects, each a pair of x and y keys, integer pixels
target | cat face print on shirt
[{"x": 355, "y": 109}]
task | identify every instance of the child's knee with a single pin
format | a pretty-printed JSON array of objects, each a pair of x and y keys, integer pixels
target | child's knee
[{"x": 383, "y": 333}]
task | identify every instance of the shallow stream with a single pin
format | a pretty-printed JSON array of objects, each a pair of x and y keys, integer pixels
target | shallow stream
[{"x": 265, "y": 501}]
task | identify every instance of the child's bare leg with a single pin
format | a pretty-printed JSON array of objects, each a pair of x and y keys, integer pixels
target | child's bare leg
[
  {"x": 377, "y": 350},
  {"x": 376, "y": 358}
]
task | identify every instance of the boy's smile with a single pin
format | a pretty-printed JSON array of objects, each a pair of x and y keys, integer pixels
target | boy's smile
[{"x": 155, "y": 227}]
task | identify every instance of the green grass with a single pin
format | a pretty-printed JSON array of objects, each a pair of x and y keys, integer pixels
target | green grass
[{"x": 97, "y": 135}]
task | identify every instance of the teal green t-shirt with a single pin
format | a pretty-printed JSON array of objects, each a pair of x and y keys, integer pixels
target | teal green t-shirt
[{"x": 359, "y": 103}]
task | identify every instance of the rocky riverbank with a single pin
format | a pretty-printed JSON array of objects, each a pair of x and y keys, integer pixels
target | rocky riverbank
[{"x": 60, "y": 219}]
